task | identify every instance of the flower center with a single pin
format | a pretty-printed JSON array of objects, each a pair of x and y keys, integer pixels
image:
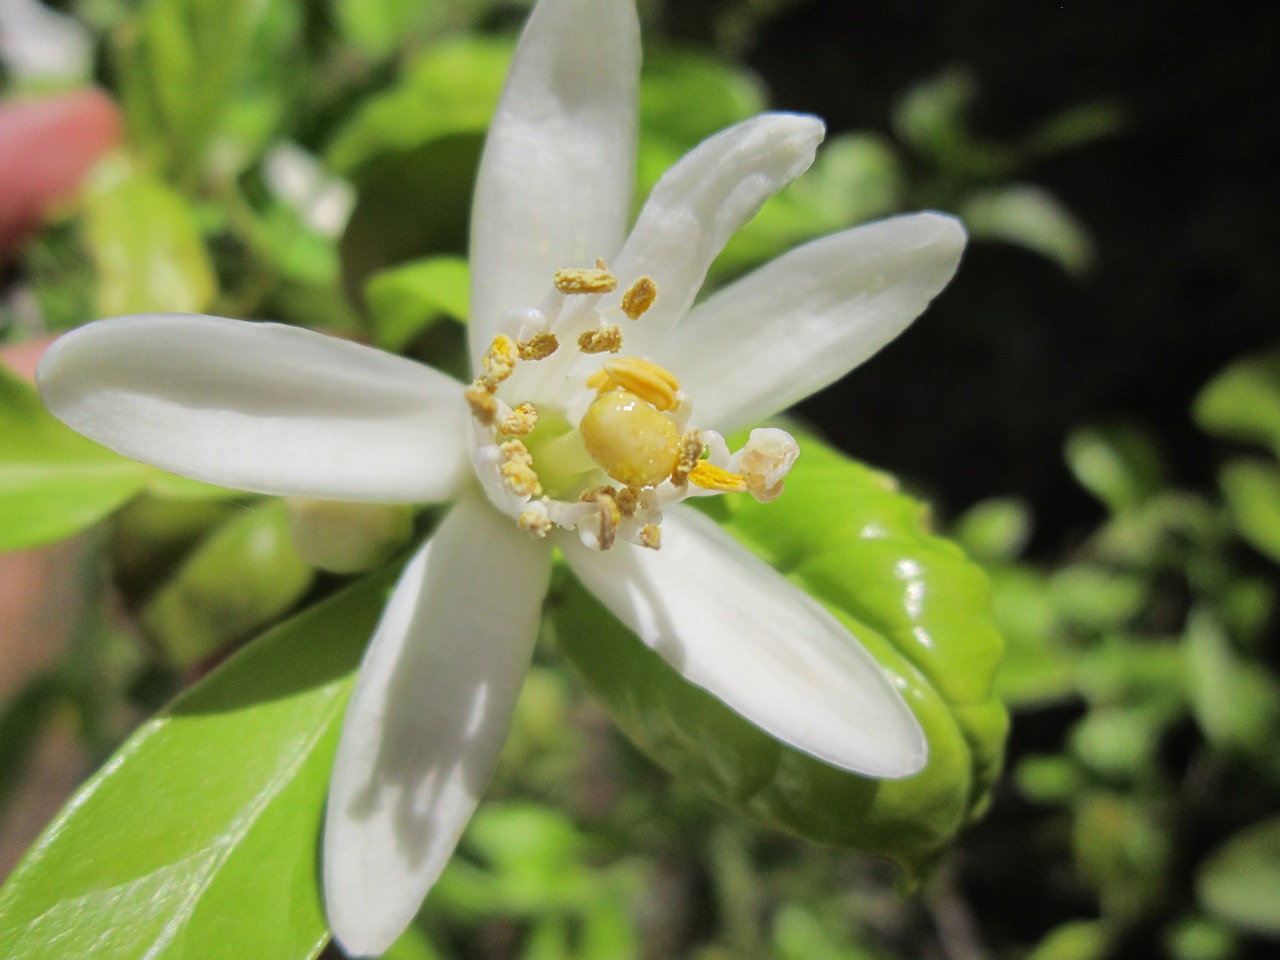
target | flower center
[{"x": 544, "y": 470}]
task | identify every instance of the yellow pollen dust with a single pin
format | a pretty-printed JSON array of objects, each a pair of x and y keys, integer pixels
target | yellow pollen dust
[
  {"x": 521, "y": 421},
  {"x": 538, "y": 347},
  {"x": 535, "y": 521},
  {"x": 690, "y": 453},
  {"x": 484, "y": 405},
  {"x": 517, "y": 471},
  {"x": 597, "y": 280},
  {"x": 710, "y": 477},
  {"x": 644, "y": 378},
  {"x": 601, "y": 340},
  {"x": 499, "y": 360},
  {"x": 629, "y": 439},
  {"x": 639, "y": 298}
]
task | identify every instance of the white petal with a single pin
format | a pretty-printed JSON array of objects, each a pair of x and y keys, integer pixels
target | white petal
[
  {"x": 558, "y": 170},
  {"x": 809, "y": 317},
  {"x": 699, "y": 204},
  {"x": 260, "y": 406},
  {"x": 431, "y": 709},
  {"x": 734, "y": 626}
]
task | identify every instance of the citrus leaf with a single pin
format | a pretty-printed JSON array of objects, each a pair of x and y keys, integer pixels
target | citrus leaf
[
  {"x": 53, "y": 482},
  {"x": 199, "y": 838},
  {"x": 1238, "y": 882},
  {"x": 845, "y": 534}
]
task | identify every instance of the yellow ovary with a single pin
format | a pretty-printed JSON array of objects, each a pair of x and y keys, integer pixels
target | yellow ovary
[{"x": 631, "y": 441}]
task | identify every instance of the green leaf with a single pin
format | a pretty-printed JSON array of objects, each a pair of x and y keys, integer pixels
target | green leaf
[
  {"x": 1238, "y": 882},
  {"x": 178, "y": 66},
  {"x": 241, "y": 578},
  {"x": 1033, "y": 218},
  {"x": 53, "y": 482},
  {"x": 1252, "y": 492},
  {"x": 1243, "y": 402},
  {"x": 199, "y": 839},
  {"x": 451, "y": 89},
  {"x": 145, "y": 243},
  {"x": 405, "y": 300},
  {"x": 994, "y": 530},
  {"x": 845, "y": 534},
  {"x": 685, "y": 96},
  {"x": 1118, "y": 464},
  {"x": 1235, "y": 701}
]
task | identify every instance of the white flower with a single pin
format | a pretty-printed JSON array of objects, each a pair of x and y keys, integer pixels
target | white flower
[{"x": 282, "y": 410}]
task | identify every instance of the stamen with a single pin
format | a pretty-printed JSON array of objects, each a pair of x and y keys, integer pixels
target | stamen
[
  {"x": 710, "y": 477},
  {"x": 629, "y": 501},
  {"x": 598, "y": 280},
  {"x": 601, "y": 340},
  {"x": 610, "y": 517},
  {"x": 656, "y": 385},
  {"x": 639, "y": 298},
  {"x": 521, "y": 421},
  {"x": 651, "y": 536},
  {"x": 766, "y": 460},
  {"x": 484, "y": 405},
  {"x": 691, "y": 446},
  {"x": 534, "y": 520},
  {"x": 499, "y": 360},
  {"x": 517, "y": 472},
  {"x": 538, "y": 347}
]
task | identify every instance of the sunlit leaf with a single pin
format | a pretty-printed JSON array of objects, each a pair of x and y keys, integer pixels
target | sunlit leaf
[
  {"x": 146, "y": 246},
  {"x": 846, "y": 535},
  {"x": 405, "y": 300},
  {"x": 53, "y": 482},
  {"x": 199, "y": 838}
]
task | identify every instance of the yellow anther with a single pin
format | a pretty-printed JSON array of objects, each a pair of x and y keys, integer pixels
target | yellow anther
[
  {"x": 639, "y": 298},
  {"x": 534, "y": 520},
  {"x": 516, "y": 470},
  {"x": 597, "y": 280},
  {"x": 610, "y": 517},
  {"x": 601, "y": 340},
  {"x": 499, "y": 360},
  {"x": 629, "y": 501},
  {"x": 710, "y": 477},
  {"x": 521, "y": 421},
  {"x": 630, "y": 441},
  {"x": 644, "y": 378},
  {"x": 591, "y": 494},
  {"x": 691, "y": 446},
  {"x": 651, "y": 536},
  {"x": 539, "y": 347},
  {"x": 484, "y": 406}
]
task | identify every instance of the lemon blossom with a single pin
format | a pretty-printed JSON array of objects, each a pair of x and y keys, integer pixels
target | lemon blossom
[{"x": 601, "y": 400}]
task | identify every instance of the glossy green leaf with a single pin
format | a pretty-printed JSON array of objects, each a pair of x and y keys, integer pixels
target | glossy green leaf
[
  {"x": 1243, "y": 401},
  {"x": 53, "y": 482},
  {"x": 145, "y": 243},
  {"x": 844, "y": 533},
  {"x": 241, "y": 578},
  {"x": 1252, "y": 492},
  {"x": 198, "y": 839},
  {"x": 405, "y": 300},
  {"x": 1238, "y": 882}
]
